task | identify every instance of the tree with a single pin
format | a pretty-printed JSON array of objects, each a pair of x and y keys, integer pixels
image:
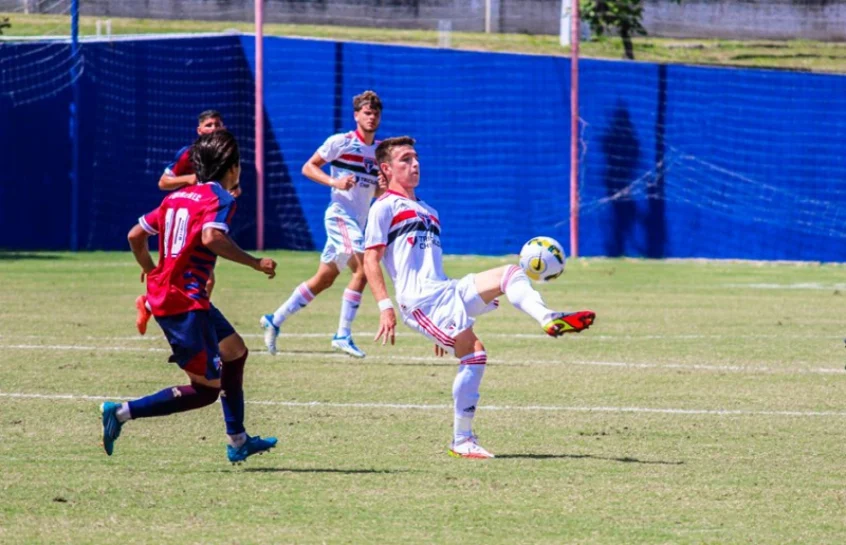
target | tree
[{"x": 623, "y": 15}]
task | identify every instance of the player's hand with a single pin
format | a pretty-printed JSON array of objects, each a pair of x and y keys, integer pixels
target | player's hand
[
  {"x": 387, "y": 326},
  {"x": 439, "y": 352},
  {"x": 345, "y": 183},
  {"x": 267, "y": 266},
  {"x": 143, "y": 277},
  {"x": 382, "y": 182}
]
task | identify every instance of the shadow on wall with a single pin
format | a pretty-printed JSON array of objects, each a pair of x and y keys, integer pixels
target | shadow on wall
[{"x": 622, "y": 150}]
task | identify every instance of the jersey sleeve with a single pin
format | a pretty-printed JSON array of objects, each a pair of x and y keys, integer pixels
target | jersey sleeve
[
  {"x": 181, "y": 164},
  {"x": 219, "y": 213},
  {"x": 332, "y": 148},
  {"x": 150, "y": 222},
  {"x": 378, "y": 225}
]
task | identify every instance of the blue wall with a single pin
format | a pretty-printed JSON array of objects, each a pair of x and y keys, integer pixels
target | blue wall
[{"x": 679, "y": 161}]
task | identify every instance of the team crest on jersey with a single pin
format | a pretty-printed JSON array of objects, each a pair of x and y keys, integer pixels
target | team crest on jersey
[
  {"x": 369, "y": 165},
  {"x": 427, "y": 222}
]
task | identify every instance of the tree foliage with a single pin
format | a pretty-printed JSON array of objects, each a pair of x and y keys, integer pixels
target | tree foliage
[{"x": 623, "y": 16}]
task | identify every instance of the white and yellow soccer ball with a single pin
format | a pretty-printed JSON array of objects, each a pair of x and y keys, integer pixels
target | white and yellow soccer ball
[{"x": 542, "y": 259}]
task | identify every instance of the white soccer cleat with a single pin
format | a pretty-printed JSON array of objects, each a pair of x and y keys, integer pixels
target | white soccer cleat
[
  {"x": 346, "y": 345},
  {"x": 469, "y": 448},
  {"x": 271, "y": 332}
]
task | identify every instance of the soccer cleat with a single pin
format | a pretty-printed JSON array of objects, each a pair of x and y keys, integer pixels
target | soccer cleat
[
  {"x": 271, "y": 332},
  {"x": 568, "y": 322},
  {"x": 469, "y": 448},
  {"x": 143, "y": 314},
  {"x": 346, "y": 344},
  {"x": 111, "y": 425},
  {"x": 253, "y": 445}
]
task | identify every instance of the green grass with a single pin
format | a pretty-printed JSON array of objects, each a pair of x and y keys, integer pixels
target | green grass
[
  {"x": 593, "y": 467},
  {"x": 794, "y": 55}
]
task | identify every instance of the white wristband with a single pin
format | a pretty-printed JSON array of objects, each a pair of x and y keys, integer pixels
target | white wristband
[{"x": 385, "y": 304}]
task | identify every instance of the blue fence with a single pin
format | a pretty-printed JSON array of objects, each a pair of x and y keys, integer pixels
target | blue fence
[{"x": 678, "y": 161}]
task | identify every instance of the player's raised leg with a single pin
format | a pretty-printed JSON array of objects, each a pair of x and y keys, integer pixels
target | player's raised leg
[
  {"x": 300, "y": 298},
  {"x": 513, "y": 282},
  {"x": 465, "y": 394},
  {"x": 350, "y": 302}
]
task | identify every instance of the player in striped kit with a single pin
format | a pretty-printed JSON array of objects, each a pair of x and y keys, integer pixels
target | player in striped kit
[
  {"x": 404, "y": 232},
  {"x": 193, "y": 225},
  {"x": 354, "y": 178}
]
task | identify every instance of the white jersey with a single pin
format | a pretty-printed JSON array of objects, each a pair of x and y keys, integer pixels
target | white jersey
[
  {"x": 411, "y": 232},
  {"x": 348, "y": 154}
]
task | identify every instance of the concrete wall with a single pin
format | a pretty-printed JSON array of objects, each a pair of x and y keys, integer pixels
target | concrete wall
[{"x": 777, "y": 19}]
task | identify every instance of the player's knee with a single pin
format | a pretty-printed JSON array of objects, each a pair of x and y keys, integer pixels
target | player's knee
[
  {"x": 466, "y": 342},
  {"x": 205, "y": 394},
  {"x": 232, "y": 348}
]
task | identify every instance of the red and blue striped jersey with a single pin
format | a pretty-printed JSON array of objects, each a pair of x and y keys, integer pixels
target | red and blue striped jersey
[
  {"x": 181, "y": 164},
  {"x": 178, "y": 283}
]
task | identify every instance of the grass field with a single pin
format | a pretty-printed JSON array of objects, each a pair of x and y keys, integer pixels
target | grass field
[
  {"x": 793, "y": 54},
  {"x": 706, "y": 406}
]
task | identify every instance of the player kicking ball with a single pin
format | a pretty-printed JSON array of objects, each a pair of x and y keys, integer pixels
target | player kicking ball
[
  {"x": 193, "y": 226},
  {"x": 404, "y": 233},
  {"x": 354, "y": 179}
]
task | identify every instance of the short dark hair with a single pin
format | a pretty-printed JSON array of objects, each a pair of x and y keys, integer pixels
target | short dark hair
[
  {"x": 367, "y": 98},
  {"x": 208, "y": 114},
  {"x": 214, "y": 154},
  {"x": 384, "y": 149}
]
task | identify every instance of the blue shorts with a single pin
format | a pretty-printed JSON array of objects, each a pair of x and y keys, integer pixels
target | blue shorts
[
  {"x": 222, "y": 327},
  {"x": 193, "y": 340}
]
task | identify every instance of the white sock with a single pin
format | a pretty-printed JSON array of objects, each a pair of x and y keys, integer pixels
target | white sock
[
  {"x": 122, "y": 413},
  {"x": 300, "y": 297},
  {"x": 517, "y": 287},
  {"x": 349, "y": 307},
  {"x": 465, "y": 393},
  {"x": 237, "y": 440},
  {"x": 147, "y": 305}
]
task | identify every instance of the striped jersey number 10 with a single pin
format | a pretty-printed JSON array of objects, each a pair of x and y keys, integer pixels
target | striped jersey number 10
[{"x": 176, "y": 224}]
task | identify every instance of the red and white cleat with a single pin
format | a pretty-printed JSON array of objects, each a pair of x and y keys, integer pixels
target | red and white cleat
[{"x": 569, "y": 322}]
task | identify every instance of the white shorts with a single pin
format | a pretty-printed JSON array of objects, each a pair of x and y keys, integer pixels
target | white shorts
[
  {"x": 449, "y": 309},
  {"x": 344, "y": 237}
]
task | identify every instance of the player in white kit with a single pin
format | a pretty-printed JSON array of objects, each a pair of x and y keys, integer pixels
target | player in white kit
[
  {"x": 403, "y": 232},
  {"x": 353, "y": 177}
]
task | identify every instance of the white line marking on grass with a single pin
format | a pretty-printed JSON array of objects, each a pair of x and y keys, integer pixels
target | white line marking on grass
[
  {"x": 440, "y": 407},
  {"x": 398, "y": 359},
  {"x": 793, "y": 286}
]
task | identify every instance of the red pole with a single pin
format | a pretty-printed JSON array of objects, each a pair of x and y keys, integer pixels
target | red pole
[
  {"x": 259, "y": 124},
  {"x": 574, "y": 129}
]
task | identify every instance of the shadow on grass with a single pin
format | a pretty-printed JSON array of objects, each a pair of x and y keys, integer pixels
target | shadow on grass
[
  {"x": 23, "y": 256},
  {"x": 624, "y": 459},
  {"x": 324, "y": 470}
]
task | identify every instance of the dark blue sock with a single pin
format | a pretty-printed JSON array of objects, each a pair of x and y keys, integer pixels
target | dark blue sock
[
  {"x": 176, "y": 399},
  {"x": 232, "y": 394}
]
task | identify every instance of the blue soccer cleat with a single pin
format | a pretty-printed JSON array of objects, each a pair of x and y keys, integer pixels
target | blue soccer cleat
[
  {"x": 271, "y": 332},
  {"x": 253, "y": 445},
  {"x": 111, "y": 425},
  {"x": 346, "y": 345}
]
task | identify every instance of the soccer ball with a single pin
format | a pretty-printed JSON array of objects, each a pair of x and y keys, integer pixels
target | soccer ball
[{"x": 542, "y": 259}]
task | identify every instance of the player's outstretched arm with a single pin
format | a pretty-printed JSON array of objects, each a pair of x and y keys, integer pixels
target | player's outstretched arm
[
  {"x": 313, "y": 170},
  {"x": 376, "y": 281},
  {"x": 172, "y": 183},
  {"x": 222, "y": 244},
  {"x": 138, "y": 243}
]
